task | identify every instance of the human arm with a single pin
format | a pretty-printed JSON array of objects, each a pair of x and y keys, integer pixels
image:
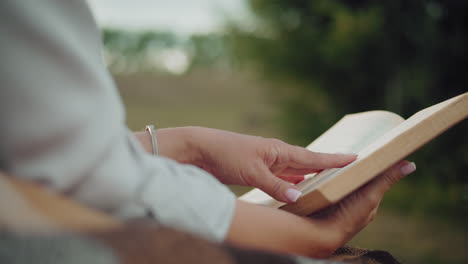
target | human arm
[
  {"x": 63, "y": 126},
  {"x": 264, "y": 228},
  {"x": 268, "y": 164}
]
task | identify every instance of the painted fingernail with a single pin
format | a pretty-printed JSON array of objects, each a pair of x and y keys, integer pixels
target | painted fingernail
[
  {"x": 408, "y": 168},
  {"x": 293, "y": 194}
]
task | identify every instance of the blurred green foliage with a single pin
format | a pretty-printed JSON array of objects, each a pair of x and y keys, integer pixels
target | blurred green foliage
[
  {"x": 323, "y": 59},
  {"x": 128, "y": 51},
  {"x": 133, "y": 51},
  {"x": 327, "y": 58},
  {"x": 333, "y": 57}
]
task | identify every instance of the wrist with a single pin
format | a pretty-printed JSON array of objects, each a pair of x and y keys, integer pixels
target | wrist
[
  {"x": 145, "y": 140},
  {"x": 334, "y": 234},
  {"x": 179, "y": 144},
  {"x": 331, "y": 239}
]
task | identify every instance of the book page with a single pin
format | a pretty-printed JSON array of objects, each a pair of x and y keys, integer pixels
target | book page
[
  {"x": 350, "y": 135},
  {"x": 355, "y": 132},
  {"x": 381, "y": 141},
  {"x": 406, "y": 125}
]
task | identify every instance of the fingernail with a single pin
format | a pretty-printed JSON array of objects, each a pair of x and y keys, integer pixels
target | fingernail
[
  {"x": 293, "y": 194},
  {"x": 408, "y": 168}
]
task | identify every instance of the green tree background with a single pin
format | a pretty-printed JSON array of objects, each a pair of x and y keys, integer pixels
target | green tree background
[
  {"x": 320, "y": 60},
  {"x": 333, "y": 57}
]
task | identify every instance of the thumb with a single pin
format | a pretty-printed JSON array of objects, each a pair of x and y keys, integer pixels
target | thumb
[
  {"x": 383, "y": 182},
  {"x": 277, "y": 188}
]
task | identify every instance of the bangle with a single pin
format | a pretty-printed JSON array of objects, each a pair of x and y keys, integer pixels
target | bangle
[{"x": 154, "y": 142}]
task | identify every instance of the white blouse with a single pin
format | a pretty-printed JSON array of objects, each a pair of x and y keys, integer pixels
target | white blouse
[{"x": 63, "y": 124}]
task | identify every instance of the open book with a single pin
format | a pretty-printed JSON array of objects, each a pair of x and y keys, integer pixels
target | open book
[{"x": 380, "y": 139}]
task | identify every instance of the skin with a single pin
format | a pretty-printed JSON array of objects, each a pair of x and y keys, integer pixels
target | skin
[
  {"x": 318, "y": 235},
  {"x": 272, "y": 165},
  {"x": 265, "y": 163}
]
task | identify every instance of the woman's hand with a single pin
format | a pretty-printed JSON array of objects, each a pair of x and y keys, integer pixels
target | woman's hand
[
  {"x": 318, "y": 235},
  {"x": 268, "y": 164},
  {"x": 356, "y": 211}
]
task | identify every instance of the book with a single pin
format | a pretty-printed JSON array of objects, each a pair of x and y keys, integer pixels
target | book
[{"x": 379, "y": 138}]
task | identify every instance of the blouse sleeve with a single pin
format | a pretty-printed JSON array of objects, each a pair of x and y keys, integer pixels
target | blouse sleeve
[{"x": 63, "y": 125}]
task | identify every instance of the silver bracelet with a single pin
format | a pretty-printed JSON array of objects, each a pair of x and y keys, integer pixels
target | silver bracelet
[{"x": 154, "y": 142}]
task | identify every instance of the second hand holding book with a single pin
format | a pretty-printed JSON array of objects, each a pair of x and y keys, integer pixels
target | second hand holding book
[{"x": 380, "y": 139}]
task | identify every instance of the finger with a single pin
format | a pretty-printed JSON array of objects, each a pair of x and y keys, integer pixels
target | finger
[
  {"x": 292, "y": 178},
  {"x": 374, "y": 191},
  {"x": 368, "y": 197},
  {"x": 277, "y": 188},
  {"x": 357, "y": 210},
  {"x": 294, "y": 171},
  {"x": 303, "y": 158},
  {"x": 383, "y": 182}
]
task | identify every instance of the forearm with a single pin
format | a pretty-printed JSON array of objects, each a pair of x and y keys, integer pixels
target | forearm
[
  {"x": 174, "y": 143},
  {"x": 144, "y": 138},
  {"x": 275, "y": 230}
]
